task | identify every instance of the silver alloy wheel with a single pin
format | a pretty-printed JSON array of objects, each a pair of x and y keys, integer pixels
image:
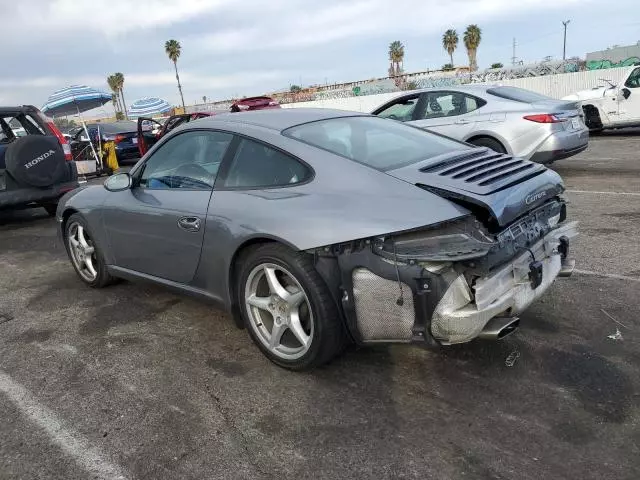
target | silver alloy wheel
[
  {"x": 279, "y": 311},
  {"x": 82, "y": 251}
]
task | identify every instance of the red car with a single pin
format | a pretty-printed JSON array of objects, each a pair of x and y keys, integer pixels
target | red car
[
  {"x": 146, "y": 139},
  {"x": 254, "y": 103}
]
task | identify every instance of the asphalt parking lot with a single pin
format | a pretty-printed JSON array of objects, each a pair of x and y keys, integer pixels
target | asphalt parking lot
[{"x": 135, "y": 382}]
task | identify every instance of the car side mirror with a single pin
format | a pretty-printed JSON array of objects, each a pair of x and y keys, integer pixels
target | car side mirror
[
  {"x": 626, "y": 93},
  {"x": 118, "y": 182}
]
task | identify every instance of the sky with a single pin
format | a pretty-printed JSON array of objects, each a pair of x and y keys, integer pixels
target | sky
[{"x": 232, "y": 48}]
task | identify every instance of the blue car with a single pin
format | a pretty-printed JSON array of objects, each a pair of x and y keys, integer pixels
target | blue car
[{"x": 123, "y": 133}]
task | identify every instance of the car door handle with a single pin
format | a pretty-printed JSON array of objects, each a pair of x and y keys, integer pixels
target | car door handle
[
  {"x": 462, "y": 121},
  {"x": 190, "y": 224}
]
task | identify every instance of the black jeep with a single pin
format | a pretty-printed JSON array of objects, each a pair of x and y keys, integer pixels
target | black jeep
[{"x": 36, "y": 166}]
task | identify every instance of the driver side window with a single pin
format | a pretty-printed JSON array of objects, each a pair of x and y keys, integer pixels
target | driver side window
[
  {"x": 634, "y": 79},
  {"x": 450, "y": 104},
  {"x": 402, "y": 110},
  {"x": 187, "y": 161}
]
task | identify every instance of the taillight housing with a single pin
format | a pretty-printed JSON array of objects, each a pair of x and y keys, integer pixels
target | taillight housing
[
  {"x": 119, "y": 138},
  {"x": 544, "y": 118},
  {"x": 66, "y": 148}
]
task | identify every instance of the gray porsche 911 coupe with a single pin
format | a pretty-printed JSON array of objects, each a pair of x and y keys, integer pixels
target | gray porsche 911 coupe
[{"x": 317, "y": 228}]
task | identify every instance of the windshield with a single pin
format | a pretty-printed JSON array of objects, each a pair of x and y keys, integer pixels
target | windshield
[
  {"x": 380, "y": 143},
  {"x": 518, "y": 94}
]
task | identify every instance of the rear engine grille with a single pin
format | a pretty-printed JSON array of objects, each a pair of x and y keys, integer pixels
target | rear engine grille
[{"x": 483, "y": 167}]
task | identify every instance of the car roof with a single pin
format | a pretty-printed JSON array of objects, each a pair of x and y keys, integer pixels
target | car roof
[
  {"x": 17, "y": 109},
  {"x": 121, "y": 126},
  {"x": 275, "y": 119},
  {"x": 455, "y": 88}
]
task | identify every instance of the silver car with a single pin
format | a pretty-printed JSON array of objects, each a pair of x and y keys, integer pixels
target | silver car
[
  {"x": 320, "y": 227},
  {"x": 506, "y": 119}
]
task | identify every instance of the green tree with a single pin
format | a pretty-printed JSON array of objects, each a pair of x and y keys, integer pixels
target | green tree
[
  {"x": 447, "y": 67},
  {"x": 396, "y": 58},
  {"x": 295, "y": 89},
  {"x": 450, "y": 42},
  {"x": 173, "y": 50},
  {"x": 497, "y": 65},
  {"x": 114, "y": 101},
  {"x": 119, "y": 77},
  {"x": 115, "y": 96},
  {"x": 472, "y": 38},
  {"x": 119, "y": 116},
  {"x": 204, "y": 99}
]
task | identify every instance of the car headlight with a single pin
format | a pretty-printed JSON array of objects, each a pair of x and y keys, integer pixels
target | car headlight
[{"x": 461, "y": 239}]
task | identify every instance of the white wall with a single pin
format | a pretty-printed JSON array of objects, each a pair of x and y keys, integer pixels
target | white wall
[
  {"x": 366, "y": 103},
  {"x": 556, "y": 86}
]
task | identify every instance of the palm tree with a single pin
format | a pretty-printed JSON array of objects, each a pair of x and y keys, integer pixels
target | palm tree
[
  {"x": 173, "y": 48},
  {"x": 450, "y": 42},
  {"x": 114, "y": 100},
  {"x": 204, "y": 99},
  {"x": 115, "y": 96},
  {"x": 396, "y": 57},
  {"x": 472, "y": 37},
  {"x": 120, "y": 85}
]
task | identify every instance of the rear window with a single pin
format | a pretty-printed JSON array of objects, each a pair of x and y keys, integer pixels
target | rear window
[
  {"x": 116, "y": 127},
  {"x": 379, "y": 143},
  {"x": 19, "y": 125},
  {"x": 518, "y": 94}
]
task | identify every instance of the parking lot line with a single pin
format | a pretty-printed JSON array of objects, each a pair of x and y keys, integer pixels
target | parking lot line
[
  {"x": 635, "y": 194},
  {"x": 71, "y": 442},
  {"x": 606, "y": 275}
]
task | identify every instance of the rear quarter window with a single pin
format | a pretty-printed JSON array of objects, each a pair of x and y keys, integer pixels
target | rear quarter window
[{"x": 256, "y": 165}]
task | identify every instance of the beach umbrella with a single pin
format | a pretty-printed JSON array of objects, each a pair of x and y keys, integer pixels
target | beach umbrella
[
  {"x": 148, "y": 106},
  {"x": 75, "y": 100}
]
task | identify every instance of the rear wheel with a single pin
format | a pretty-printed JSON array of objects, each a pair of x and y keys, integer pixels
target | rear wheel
[
  {"x": 287, "y": 308},
  {"x": 491, "y": 143},
  {"x": 85, "y": 255}
]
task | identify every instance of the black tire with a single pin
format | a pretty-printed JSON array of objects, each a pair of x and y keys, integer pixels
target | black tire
[
  {"x": 102, "y": 278},
  {"x": 37, "y": 160},
  {"x": 592, "y": 119},
  {"x": 329, "y": 336},
  {"x": 494, "y": 145}
]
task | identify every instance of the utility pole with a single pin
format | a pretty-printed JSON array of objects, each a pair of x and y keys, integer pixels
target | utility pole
[
  {"x": 564, "y": 45},
  {"x": 513, "y": 57}
]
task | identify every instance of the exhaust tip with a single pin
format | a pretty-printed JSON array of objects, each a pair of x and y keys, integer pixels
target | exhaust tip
[
  {"x": 499, "y": 327},
  {"x": 509, "y": 329}
]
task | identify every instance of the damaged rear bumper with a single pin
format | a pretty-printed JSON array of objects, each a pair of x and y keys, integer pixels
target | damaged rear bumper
[
  {"x": 434, "y": 303},
  {"x": 461, "y": 315}
]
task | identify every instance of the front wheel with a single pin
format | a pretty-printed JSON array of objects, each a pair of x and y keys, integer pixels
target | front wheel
[
  {"x": 287, "y": 309},
  {"x": 85, "y": 255}
]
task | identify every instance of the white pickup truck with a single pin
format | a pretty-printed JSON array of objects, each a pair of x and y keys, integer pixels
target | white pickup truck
[{"x": 612, "y": 106}]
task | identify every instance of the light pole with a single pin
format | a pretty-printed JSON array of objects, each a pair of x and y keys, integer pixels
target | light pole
[{"x": 564, "y": 45}]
